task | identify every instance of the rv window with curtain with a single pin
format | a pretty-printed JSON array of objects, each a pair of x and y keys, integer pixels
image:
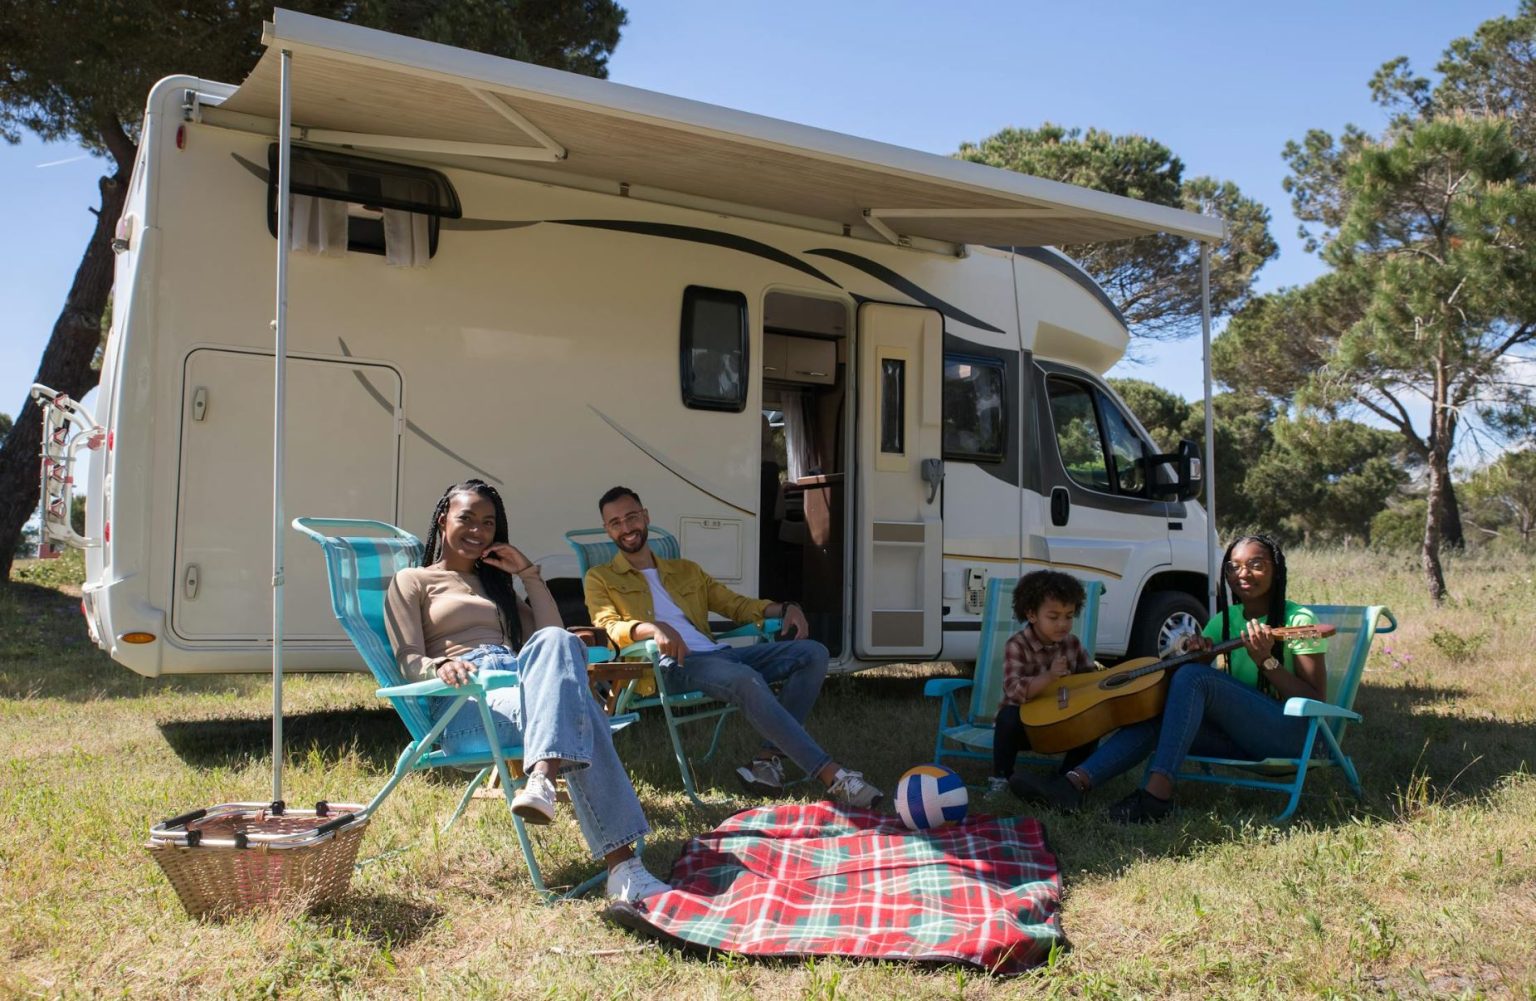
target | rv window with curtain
[
  {"x": 975, "y": 410},
  {"x": 1078, "y": 440},
  {"x": 343, "y": 202},
  {"x": 714, "y": 349}
]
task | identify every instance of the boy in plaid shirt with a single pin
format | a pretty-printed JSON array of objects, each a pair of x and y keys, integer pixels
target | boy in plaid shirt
[{"x": 1044, "y": 650}]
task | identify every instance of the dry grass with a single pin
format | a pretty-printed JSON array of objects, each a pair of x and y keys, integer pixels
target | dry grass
[{"x": 1428, "y": 889}]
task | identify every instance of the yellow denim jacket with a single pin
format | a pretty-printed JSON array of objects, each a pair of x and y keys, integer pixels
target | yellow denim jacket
[{"x": 619, "y": 597}]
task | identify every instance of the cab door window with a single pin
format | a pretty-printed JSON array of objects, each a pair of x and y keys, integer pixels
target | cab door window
[
  {"x": 1125, "y": 450},
  {"x": 1078, "y": 440},
  {"x": 1099, "y": 447}
]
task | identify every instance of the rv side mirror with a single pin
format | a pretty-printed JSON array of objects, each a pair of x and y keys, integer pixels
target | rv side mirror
[
  {"x": 1185, "y": 464},
  {"x": 1191, "y": 470}
]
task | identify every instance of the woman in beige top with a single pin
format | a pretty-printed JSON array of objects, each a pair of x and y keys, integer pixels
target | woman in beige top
[{"x": 458, "y": 613}]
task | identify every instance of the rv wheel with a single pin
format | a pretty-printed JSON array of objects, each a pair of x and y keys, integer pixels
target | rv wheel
[{"x": 1164, "y": 619}]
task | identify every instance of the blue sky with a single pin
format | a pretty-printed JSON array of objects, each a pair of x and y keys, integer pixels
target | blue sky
[{"x": 1223, "y": 84}]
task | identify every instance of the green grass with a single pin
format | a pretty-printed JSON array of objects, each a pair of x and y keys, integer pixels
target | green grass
[{"x": 1427, "y": 889}]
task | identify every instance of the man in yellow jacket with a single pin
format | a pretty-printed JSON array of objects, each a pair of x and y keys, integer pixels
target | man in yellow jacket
[{"x": 639, "y": 596}]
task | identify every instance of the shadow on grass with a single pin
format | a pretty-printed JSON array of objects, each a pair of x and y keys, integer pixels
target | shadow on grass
[
  {"x": 1407, "y": 752},
  {"x": 386, "y": 919},
  {"x": 1415, "y": 745},
  {"x": 375, "y": 735},
  {"x": 1407, "y": 741}
]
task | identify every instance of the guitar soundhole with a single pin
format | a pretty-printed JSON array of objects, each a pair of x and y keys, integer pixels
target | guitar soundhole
[{"x": 1115, "y": 681}]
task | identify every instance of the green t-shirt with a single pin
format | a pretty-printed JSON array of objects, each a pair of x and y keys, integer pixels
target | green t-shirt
[{"x": 1243, "y": 667}]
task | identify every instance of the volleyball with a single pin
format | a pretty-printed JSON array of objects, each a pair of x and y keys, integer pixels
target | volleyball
[{"x": 931, "y": 796}]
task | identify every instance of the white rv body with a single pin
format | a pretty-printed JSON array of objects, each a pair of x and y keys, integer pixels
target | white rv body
[{"x": 539, "y": 349}]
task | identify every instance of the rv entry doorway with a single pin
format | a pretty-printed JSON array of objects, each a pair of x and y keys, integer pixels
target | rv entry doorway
[{"x": 899, "y": 533}]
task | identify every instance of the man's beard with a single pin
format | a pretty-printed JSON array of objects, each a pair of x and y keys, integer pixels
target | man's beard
[{"x": 639, "y": 546}]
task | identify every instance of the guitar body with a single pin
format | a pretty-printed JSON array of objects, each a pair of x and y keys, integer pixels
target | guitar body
[{"x": 1081, "y": 708}]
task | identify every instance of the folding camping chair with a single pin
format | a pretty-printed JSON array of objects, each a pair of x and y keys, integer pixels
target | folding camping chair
[
  {"x": 593, "y": 548},
  {"x": 1357, "y": 625},
  {"x": 359, "y": 566},
  {"x": 969, "y": 736}
]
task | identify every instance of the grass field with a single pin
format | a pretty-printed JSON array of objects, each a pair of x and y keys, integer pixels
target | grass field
[{"x": 1427, "y": 889}]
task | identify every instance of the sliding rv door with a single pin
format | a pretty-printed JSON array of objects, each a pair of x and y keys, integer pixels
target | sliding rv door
[
  {"x": 900, "y": 532},
  {"x": 342, "y": 455}
]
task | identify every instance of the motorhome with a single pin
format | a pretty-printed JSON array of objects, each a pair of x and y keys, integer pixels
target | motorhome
[{"x": 840, "y": 372}]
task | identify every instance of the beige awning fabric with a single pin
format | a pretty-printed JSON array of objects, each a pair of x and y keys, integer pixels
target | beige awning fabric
[{"x": 371, "y": 89}]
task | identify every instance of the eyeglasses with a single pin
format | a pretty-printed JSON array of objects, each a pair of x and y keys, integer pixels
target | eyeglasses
[
  {"x": 1256, "y": 565},
  {"x": 629, "y": 520}
]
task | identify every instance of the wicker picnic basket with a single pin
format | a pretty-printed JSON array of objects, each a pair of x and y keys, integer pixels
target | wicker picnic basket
[{"x": 239, "y": 855}]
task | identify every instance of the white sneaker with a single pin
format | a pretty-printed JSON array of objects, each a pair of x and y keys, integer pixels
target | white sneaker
[
  {"x": 996, "y": 784},
  {"x": 535, "y": 801},
  {"x": 850, "y": 788},
  {"x": 630, "y": 881},
  {"x": 764, "y": 776}
]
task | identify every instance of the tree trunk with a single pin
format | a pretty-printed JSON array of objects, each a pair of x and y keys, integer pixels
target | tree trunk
[
  {"x": 65, "y": 366},
  {"x": 1451, "y": 535},
  {"x": 1439, "y": 486}
]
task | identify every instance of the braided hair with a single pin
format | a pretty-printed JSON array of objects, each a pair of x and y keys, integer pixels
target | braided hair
[
  {"x": 1276, "y": 614},
  {"x": 497, "y": 582}
]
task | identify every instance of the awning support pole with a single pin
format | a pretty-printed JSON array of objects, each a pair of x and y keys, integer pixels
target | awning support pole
[
  {"x": 280, "y": 356},
  {"x": 1213, "y": 546}
]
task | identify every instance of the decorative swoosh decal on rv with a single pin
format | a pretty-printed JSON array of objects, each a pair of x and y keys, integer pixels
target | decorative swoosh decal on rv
[
  {"x": 669, "y": 467},
  {"x": 905, "y": 285},
  {"x": 410, "y": 426},
  {"x": 715, "y": 238}
]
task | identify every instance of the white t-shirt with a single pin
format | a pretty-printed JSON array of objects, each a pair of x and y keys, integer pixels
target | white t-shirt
[{"x": 667, "y": 612}]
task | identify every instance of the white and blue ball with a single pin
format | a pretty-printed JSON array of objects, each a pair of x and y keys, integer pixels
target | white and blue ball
[{"x": 931, "y": 796}]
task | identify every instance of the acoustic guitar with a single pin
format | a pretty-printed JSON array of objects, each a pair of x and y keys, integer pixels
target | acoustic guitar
[{"x": 1084, "y": 707}]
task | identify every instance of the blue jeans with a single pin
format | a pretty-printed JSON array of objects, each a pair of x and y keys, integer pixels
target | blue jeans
[
  {"x": 741, "y": 676},
  {"x": 1208, "y": 713},
  {"x": 553, "y": 715}
]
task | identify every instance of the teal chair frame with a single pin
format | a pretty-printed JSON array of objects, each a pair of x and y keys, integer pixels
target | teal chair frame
[
  {"x": 968, "y": 736},
  {"x": 1357, "y": 625},
  {"x": 361, "y": 557},
  {"x": 593, "y": 548}
]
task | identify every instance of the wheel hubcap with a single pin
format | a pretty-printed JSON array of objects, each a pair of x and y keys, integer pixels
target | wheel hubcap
[{"x": 1175, "y": 628}]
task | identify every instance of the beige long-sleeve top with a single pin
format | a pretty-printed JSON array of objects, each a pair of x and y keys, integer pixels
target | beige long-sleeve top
[{"x": 433, "y": 615}]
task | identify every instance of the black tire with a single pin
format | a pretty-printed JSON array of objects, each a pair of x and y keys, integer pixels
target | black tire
[{"x": 1162, "y": 618}]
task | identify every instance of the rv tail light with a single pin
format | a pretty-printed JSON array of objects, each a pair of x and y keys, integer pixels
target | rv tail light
[
  {"x": 110, "y": 436},
  {"x": 181, "y": 137},
  {"x": 106, "y": 531},
  {"x": 137, "y": 637}
]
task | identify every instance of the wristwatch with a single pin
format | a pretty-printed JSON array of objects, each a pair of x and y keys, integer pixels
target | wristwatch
[{"x": 1270, "y": 663}]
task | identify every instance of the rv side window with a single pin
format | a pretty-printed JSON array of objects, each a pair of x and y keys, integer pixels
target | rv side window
[
  {"x": 714, "y": 349},
  {"x": 975, "y": 411},
  {"x": 1077, "y": 434},
  {"x": 893, "y": 406},
  {"x": 375, "y": 206}
]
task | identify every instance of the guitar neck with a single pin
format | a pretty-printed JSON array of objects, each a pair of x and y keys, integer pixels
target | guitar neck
[
  {"x": 1283, "y": 633},
  {"x": 1185, "y": 658}
]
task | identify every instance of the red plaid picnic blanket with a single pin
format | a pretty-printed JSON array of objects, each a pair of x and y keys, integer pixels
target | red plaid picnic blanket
[{"x": 820, "y": 879}]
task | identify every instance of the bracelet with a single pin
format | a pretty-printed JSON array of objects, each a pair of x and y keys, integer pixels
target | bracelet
[{"x": 532, "y": 566}]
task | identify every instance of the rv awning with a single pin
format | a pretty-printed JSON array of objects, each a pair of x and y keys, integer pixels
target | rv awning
[{"x": 371, "y": 89}]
